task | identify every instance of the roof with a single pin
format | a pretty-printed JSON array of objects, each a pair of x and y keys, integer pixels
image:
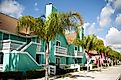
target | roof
[
  {"x": 8, "y": 23},
  {"x": 93, "y": 52},
  {"x": 71, "y": 37}
]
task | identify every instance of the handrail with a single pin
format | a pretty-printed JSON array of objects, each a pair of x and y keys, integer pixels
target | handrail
[
  {"x": 26, "y": 47},
  {"x": 12, "y": 41},
  {"x": 29, "y": 45}
]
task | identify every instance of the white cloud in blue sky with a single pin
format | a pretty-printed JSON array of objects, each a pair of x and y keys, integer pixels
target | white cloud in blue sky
[
  {"x": 113, "y": 38},
  {"x": 12, "y": 8},
  {"x": 118, "y": 19},
  {"x": 35, "y": 3},
  {"x": 117, "y": 4},
  {"x": 105, "y": 16},
  {"x": 89, "y": 28},
  {"x": 99, "y": 15}
]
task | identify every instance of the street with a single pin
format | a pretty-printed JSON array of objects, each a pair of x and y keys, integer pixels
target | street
[{"x": 110, "y": 73}]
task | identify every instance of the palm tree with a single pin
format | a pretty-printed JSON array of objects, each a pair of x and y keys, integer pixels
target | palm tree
[
  {"x": 100, "y": 48},
  {"x": 25, "y": 22},
  {"x": 88, "y": 43},
  {"x": 56, "y": 24}
]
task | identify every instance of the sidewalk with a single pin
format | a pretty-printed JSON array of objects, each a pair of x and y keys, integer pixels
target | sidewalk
[{"x": 110, "y": 73}]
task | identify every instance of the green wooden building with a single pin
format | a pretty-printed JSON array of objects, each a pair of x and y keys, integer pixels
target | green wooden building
[{"x": 23, "y": 52}]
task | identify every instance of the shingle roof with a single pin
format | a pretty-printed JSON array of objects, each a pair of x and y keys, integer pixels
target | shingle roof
[{"x": 71, "y": 37}]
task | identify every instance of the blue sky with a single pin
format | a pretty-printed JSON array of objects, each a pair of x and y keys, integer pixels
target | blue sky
[{"x": 102, "y": 17}]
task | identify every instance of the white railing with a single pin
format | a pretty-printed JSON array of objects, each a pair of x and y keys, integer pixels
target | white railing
[
  {"x": 60, "y": 50},
  {"x": 9, "y": 45},
  {"x": 78, "y": 54}
]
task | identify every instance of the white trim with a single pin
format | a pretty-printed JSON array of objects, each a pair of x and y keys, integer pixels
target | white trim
[
  {"x": 68, "y": 56},
  {"x": 20, "y": 52},
  {"x": 29, "y": 45},
  {"x": 40, "y": 53},
  {"x": 26, "y": 46},
  {"x": 13, "y": 41}
]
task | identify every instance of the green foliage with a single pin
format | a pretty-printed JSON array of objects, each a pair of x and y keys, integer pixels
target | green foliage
[
  {"x": 55, "y": 24},
  {"x": 91, "y": 42},
  {"x": 88, "y": 42}
]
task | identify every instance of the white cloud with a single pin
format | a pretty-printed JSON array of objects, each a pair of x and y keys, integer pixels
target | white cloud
[
  {"x": 113, "y": 39},
  {"x": 89, "y": 28},
  {"x": 117, "y": 4},
  {"x": 12, "y": 8},
  {"x": 105, "y": 16},
  {"x": 118, "y": 19},
  {"x": 35, "y": 4}
]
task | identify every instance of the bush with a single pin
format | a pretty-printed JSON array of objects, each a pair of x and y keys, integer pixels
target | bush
[
  {"x": 22, "y": 75},
  {"x": 11, "y": 75},
  {"x": 35, "y": 74}
]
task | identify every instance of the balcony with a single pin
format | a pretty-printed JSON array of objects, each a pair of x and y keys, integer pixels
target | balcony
[
  {"x": 60, "y": 50},
  {"x": 78, "y": 54},
  {"x": 9, "y": 45}
]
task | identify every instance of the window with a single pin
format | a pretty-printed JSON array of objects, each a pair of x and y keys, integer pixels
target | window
[
  {"x": 67, "y": 60},
  {"x": 75, "y": 49},
  {"x": 57, "y": 43},
  {"x": 1, "y": 58},
  {"x": 38, "y": 58}
]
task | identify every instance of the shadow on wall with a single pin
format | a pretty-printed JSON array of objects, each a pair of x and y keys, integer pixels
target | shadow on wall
[{"x": 13, "y": 62}]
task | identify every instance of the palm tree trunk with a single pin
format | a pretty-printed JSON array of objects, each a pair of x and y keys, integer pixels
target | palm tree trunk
[{"x": 46, "y": 58}]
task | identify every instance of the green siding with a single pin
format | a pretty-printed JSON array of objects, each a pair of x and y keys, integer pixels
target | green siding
[
  {"x": 5, "y": 36},
  {"x": 42, "y": 59},
  {"x": 62, "y": 40},
  {"x": 18, "y": 38},
  {"x": 19, "y": 62},
  {"x": 71, "y": 49},
  {"x": 62, "y": 60},
  {"x": 32, "y": 50},
  {"x": 52, "y": 57}
]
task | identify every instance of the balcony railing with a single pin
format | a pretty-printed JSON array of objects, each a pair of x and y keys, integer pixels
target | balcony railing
[
  {"x": 60, "y": 50},
  {"x": 9, "y": 45},
  {"x": 78, "y": 54}
]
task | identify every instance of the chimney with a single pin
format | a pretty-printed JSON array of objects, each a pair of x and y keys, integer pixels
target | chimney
[{"x": 48, "y": 9}]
